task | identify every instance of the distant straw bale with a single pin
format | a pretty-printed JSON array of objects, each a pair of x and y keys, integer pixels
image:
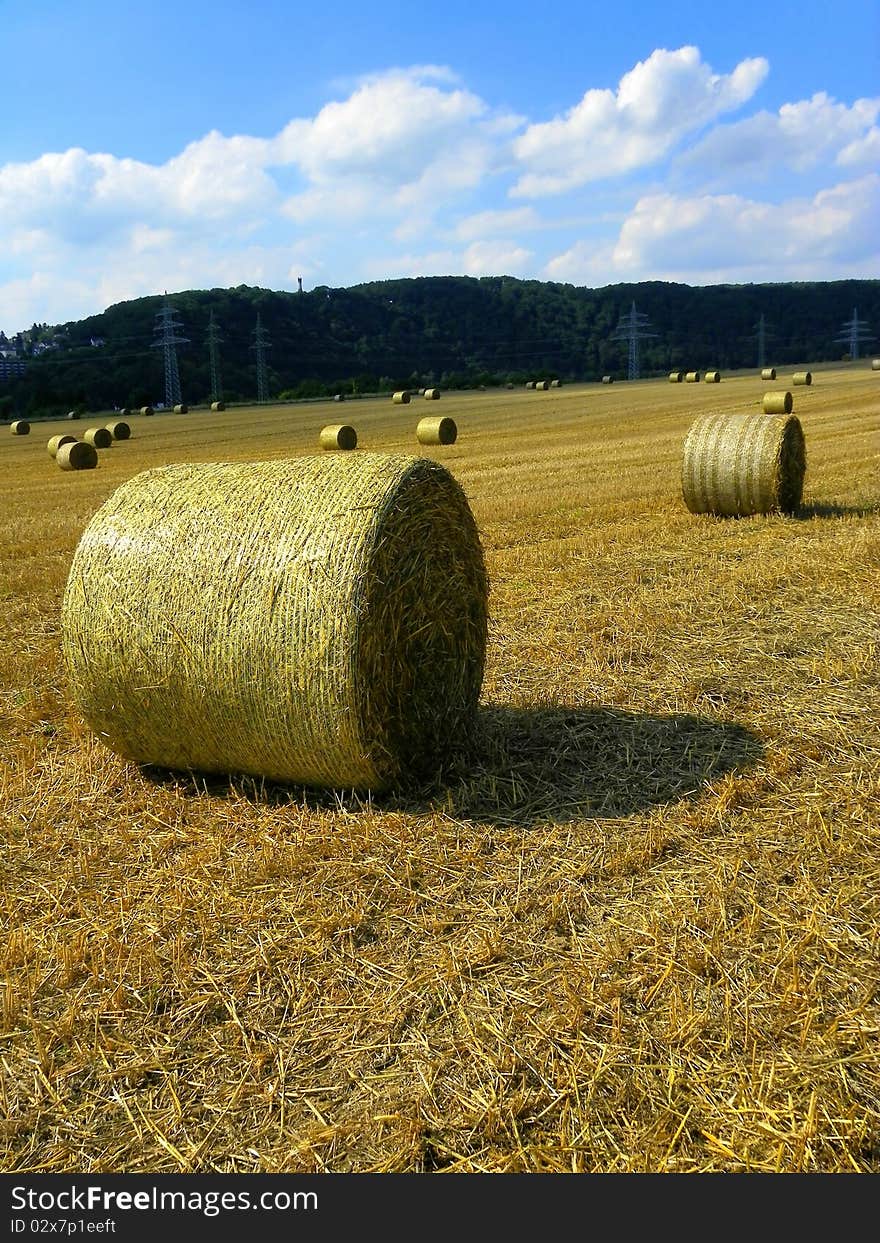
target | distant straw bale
[
  {"x": 432, "y": 394},
  {"x": 741, "y": 464},
  {"x": 218, "y": 405},
  {"x": 55, "y": 443},
  {"x": 692, "y": 377},
  {"x": 20, "y": 427},
  {"x": 875, "y": 364},
  {"x": 119, "y": 430},
  {"x": 146, "y": 411},
  {"x": 768, "y": 373},
  {"x": 182, "y": 408},
  {"x": 338, "y": 436},
  {"x": 436, "y": 431},
  {"x": 556, "y": 384},
  {"x": 320, "y": 620},
  {"x": 77, "y": 455},
  {"x": 777, "y": 403},
  {"x": 542, "y": 386},
  {"x": 802, "y": 377},
  {"x": 607, "y": 379},
  {"x": 712, "y": 377},
  {"x": 676, "y": 377},
  {"x": 530, "y": 383},
  {"x": 72, "y": 414},
  {"x": 125, "y": 413},
  {"x": 99, "y": 437},
  {"x": 401, "y": 398},
  {"x": 339, "y": 396}
]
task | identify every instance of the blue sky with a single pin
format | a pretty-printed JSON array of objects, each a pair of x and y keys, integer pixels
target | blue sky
[{"x": 207, "y": 144}]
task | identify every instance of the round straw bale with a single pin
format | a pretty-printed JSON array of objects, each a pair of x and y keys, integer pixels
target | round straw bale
[
  {"x": 319, "y": 620},
  {"x": 339, "y": 396},
  {"x": 509, "y": 384},
  {"x": 338, "y": 436},
  {"x": 56, "y": 442},
  {"x": 119, "y": 430},
  {"x": 692, "y": 377},
  {"x": 607, "y": 379},
  {"x": 421, "y": 392},
  {"x": 181, "y": 409},
  {"x": 542, "y": 386},
  {"x": 98, "y": 436},
  {"x": 712, "y": 377},
  {"x": 777, "y": 403},
  {"x": 676, "y": 377},
  {"x": 20, "y": 427},
  {"x": 125, "y": 413},
  {"x": 401, "y": 398},
  {"x": 218, "y": 405},
  {"x": 432, "y": 394},
  {"x": 72, "y": 414},
  {"x": 436, "y": 431},
  {"x": 77, "y": 455},
  {"x": 802, "y": 377},
  {"x": 146, "y": 411},
  {"x": 738, "y": 464},
  {"x": 556, "y": 384},
  {"x": 875, "y": 364},
  {"x": 530, "y": 383},
  {"x": 768, "y": 373}
]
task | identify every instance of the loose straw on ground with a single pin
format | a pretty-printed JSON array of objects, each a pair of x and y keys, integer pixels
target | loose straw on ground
[
  {"x": 338, "y": 436},
  {"x": 98, "y": 436},
  {"x": 55, "y": 443},
  {"x": 741, "y": 464},
  {"x": 319, "y": 620},
  {"x": 119, "y": 430},
  {"x": 777, "y": 403},
  {"x": 436, "y": 431},
  {"x": 77, "y": 455}
]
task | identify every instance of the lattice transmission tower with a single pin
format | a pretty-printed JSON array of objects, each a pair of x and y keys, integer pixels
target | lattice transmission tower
[
  {"x": 854, "y": 332},
  {"x": 167, "y": 338},
  {"x": 261, "y": 344},
  {"x": 763, "y": 330},
  {"x": 633, "y": 328},
  {"x": 213, "y": 338}
]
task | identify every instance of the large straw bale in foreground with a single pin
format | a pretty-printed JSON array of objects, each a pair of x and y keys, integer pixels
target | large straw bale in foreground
[
  {"x": 119, "y": 430},
  {"x": 338, "y": 436},
  {"x": 777, "y": 403},
  {"x": 436, "y": 431},
  {"x": 77, "y": 455},
  {"x": 319, "y": 620},
  {"x": 20, "y": 427},
  {"x": 739, "y": 464},
  {"x": 55, "y": 443},
  {"x": 100, "y": 437}
]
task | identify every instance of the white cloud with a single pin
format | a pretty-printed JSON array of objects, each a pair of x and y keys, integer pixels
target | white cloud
[
  {"x": 799, "y": 137},
  {"x": 517, "y": 220},
  {"x": 664, "y": 98},
  {"x": 729, "y": 238}
]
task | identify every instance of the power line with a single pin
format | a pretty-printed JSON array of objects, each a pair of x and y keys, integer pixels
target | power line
[
  {"x": 633, "y": 329},
  {"x": 168, "y": 336}
]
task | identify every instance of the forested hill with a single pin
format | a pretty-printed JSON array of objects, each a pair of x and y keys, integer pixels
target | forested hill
[{"x": 452, "y": 331}]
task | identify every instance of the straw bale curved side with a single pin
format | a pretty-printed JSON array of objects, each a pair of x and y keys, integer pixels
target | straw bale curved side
[
  {"x": 768, "y": 373},
  {"x": 802, "y": 377},
  {"x": 78, "y": 455},
  {"x": 401, "y": 398},
  {"x": 436, "y": 431},
  {"x": 432, "y": 394},
  {"x": 740, "y": 464},
  {"x": 692, "y": 377},
  {"x": 676, "y": 377},
  {"x": 542, "y": 386},
  {"x": 320, "y": 620},
  {"x": 20, "y": 427},
  {"x": 607, "y": 379},
  {"x": 146, "y": 411},
  {"x": 119, "y": 430},
  {"x": 218, "y": 405},
  {"x": 777, "y": 403},
  {"x": 530, "y": 383},
  {"x": 338, "y": 436},
  {"x": 99, "y": 437},
  {"x": 182, "y": 408},
  {"x": 712, "y": 377},
  {"x": 55, "y": 443}
]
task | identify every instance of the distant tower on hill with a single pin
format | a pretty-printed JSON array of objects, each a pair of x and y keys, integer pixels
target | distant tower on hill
[
  {"x": 167, "y": 337},
  {"x": 213, "y": 339},
  {"x": 633, "y": 328},
  {"x": 261, "y": 344},
  {"x": 300, "y": 283},
  {"x": 854, "y": 333}
]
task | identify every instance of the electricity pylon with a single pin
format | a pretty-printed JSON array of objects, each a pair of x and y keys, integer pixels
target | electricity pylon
[
  {"x": 261, "y": 344},
  {"x": 213, "y": 339},
  {"x": 167, "y": 337},
  {"x": 633, "y": 329}
]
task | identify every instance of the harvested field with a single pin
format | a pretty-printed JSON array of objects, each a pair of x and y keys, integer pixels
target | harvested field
[{"x": 639, "y": 931}]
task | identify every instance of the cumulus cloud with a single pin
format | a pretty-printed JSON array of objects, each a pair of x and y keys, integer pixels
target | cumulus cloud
[
  {"x": 799, "y": 137},
  {"x": 730, "y": 238},
  {"x": 659, "y": 102}
]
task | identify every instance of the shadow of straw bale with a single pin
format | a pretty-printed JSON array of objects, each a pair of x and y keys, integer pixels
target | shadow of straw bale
[
  {"x": 821, "y": 509},
  {"x": 537, "y": 765}
]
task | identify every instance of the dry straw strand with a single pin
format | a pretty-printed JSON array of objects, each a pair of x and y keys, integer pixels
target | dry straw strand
[
  {"x": 77, "y": 455},
  {"x": 802, "y": 377},
  {"x": 712, "y": 377},
  {"x": 401, "y": 398},
  {"x": 55, "y": 443},
  {"x": 768, "y": 373},
  {"x": 20, "y": 427},
  {"x": 99, "y": 437},
  {"x": 436, "y": 431},
  {"x": 319, "y": 620},
  {"x": 338, "y": 436},
  {"x": 676, "y": 377},
  {"x": 119, "y": 430},
  {"x": 692, "y": 377},
  {"x": 777, "y": 403},
  {"x": 432, "y": 394},
  {"x": 741, "y": 464}
]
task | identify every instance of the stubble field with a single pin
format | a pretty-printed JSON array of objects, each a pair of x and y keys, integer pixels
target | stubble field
[{"x": 640, "y": 931}]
